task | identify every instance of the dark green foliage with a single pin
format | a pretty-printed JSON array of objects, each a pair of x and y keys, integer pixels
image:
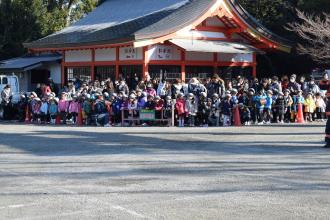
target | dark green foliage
[{"x": 26, "y": 20}]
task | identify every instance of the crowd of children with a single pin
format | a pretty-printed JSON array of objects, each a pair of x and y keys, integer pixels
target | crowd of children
[{"x": 207, "y": 102}]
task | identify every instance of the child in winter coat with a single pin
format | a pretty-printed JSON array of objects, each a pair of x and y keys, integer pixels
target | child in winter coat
[
  {"x": 226, "y": 110},
  {"x": 87, "y": 109},
  {"x": 74, "y": 109},
  {"x": 150, "y": 90},
  {"x": 214, "y": 117},
  {"x": 320, "y": 107},
  {"x": 116, "y": 106},
  {"x": 180, "y": 109},
  {"x": 260, "y": 102},
  {"x": 288, "y": 104},
  {"x": 44, "y": 110},
  {"x": 53, "y": 110},
  {"x": 268, "y": 106},
  {"x": 280, "y": 108},
  {"x": 205, "y": 105},
  {"x": 191, "y": 109},
  {"x": 309, "y": 107},
  {"x": 245, "y": 114},
  {"x": 244, "y": 99},
  {"x": 63, "y": 108},
  {"x": 132, "y": 106},
  {"x": 159, "y": 104},
  {"x": 150, "y": 104},
  {"x": 168, "y": 107},
  {"x": 297, "y": 100},
  {"x": 36, "y": 110}
]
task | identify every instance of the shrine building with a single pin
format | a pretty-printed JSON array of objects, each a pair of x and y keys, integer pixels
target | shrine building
[{"x": 120, "y": 38}]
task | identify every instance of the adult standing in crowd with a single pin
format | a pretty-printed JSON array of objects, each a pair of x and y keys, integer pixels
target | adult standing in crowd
[
  {"x": 216, "y": 86},
  {"x": 6, "y": 96},
  {"x": 325, "y": 85}
]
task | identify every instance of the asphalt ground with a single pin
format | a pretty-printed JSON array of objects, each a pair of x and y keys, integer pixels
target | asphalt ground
[{"x": 267, "y": 172}]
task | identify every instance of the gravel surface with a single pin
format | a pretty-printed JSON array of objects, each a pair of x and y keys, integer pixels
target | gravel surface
[{"x": 268, "y": 172}]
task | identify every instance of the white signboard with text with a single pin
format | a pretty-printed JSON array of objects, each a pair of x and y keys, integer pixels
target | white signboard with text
[
  {"x": 130, "y": 53},
  {"x": 164, "y": 52}
]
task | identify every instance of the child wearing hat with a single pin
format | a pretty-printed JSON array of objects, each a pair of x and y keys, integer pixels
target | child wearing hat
[
  {"x": 36, "y": 110},
  {"x": 280, "y": 108},
  {"x": 87, "y": 109},
  {"x": 226, "y": 108},
  {"x": 168, "y": 107},
  {"x": 191, "y": 109},
  {"x": 288, "y": 105},
  {"x": 214, "y": 117},
  {"x": 159, "y": 104},
  {"x": 320, "y": 107},
  {"x": 180, "y": 109},
  {"x": 297, "y": 100},
  {"x": 260, "y": 102},
  {"x": 74, "y": 109},
  {"x": 53, "y": 110},
  {"x": 132, "y": 106},
  {"x": 268, "y": 106},
  {"x": 63, "y": 107},
  {"x": 245, "y": 114},
  {"x": 44, "y": 110},
  {"x": 309, "y": 107}
]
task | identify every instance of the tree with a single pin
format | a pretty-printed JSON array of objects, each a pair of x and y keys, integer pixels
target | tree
[
  {"x": 27, "y": 20},
  {"x": 315, "y": 31},
  {"x": 18, "y": 23},
  {"x": 61, "y": 13}
]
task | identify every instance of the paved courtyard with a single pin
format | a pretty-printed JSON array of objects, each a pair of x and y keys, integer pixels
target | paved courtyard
[{"x": 277, "y": 172}]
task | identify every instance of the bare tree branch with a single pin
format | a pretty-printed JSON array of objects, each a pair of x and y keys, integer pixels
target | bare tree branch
[{"x": 315, "y": 31}]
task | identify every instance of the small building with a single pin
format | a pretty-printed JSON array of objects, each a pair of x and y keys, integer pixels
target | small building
[{"x": 182, "y": 38}]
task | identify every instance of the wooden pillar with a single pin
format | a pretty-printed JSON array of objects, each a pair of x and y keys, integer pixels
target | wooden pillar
[
  {"x": 93, "y": 65},
  {"x": 215, "y": 63},
  {"x": 63, "y": 69},
  {"x": 117, "y": 63},
  {"x": 183, "y": 65},
  {"x": 145, "y": 70},
  {"x": 254, "y": 67}
]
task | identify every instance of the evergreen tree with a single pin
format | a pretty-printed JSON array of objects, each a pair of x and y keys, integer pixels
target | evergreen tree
[{"x": 27, "y": 20}]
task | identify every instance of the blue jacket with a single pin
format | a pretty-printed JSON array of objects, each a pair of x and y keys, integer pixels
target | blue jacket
[
  {"x": 257, "y": 100},
  {"x": 116, "y": 105},
  {"x": 269, "y": 102}
]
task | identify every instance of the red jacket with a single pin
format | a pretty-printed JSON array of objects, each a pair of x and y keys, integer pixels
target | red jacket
[
  {"x": 159, "y": 105},
  {"x": 180, "y": 106}
]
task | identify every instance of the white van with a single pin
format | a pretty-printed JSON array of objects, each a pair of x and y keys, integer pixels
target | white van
[{"x": 12, "y": 80}]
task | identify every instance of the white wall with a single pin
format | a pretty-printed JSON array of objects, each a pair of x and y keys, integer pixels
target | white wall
[
  {"x": 199, "y": 56},
  {"x": 130, "y": 53},
  {"x": 55, "y": 72},
  {"x": 232, "y": 57},
  {"x": 78, "y": 56},
  {"x": 163, "y": 52},
  {"x": 200, "y": 34},
  {"x": 108, "y": 54}
]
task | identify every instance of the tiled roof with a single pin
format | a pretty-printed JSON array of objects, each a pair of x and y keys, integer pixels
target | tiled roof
[
  {"x": 121, "y": 21},
  {"x": 27, "y": 62},
  {"x": 117, "y": 21}
]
